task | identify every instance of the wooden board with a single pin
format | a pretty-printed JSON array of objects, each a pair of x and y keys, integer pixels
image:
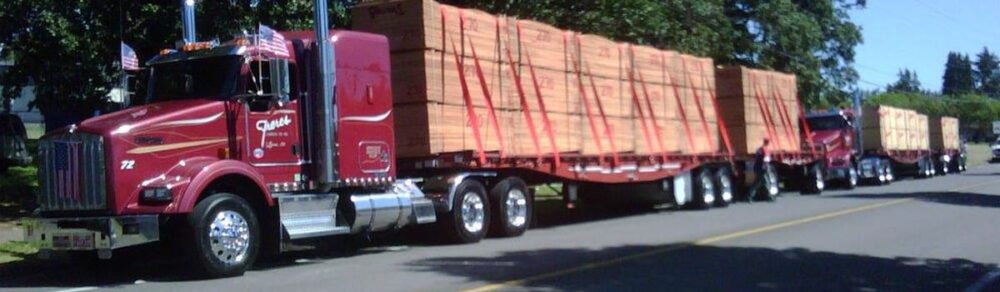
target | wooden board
[
  {"x": 546, "y": 45},
  {"x": 425, "y": 129},
  {"x": 431, "y": 76},
  {"x": 751, "y": 99},
  {"x": 426, "y": 38},
  {"x": 598, "y": 56},
  {"x": 943, "y": 132}
]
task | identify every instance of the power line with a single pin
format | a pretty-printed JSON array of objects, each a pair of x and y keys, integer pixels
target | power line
[{"x": 957, "y": 21}]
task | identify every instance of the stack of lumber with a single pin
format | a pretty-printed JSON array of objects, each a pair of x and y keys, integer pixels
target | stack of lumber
[
  {"x": 759, "y": 104},
  {"x": 456, "y": 76},
  {"x": 944, "y": 133},
  {"x": 889, "y": 128}
]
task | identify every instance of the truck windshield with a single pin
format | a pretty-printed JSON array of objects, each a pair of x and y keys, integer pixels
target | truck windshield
[
  {"x": 827, "y": 123},
  {"x": 198, "y": 78}
]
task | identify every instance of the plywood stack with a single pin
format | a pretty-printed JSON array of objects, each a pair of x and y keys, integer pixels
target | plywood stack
[
  {"x": 759, "y": 104},
  {"x": 944, "y": 133},
  {"x": 889, "y": 128},
  {"x": 582, "y": 80}
]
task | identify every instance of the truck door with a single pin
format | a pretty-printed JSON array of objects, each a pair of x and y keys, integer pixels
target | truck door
[{"x": 273, "y": 143}]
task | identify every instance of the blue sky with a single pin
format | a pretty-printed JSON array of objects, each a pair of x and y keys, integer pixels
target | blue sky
[{"x": 918, "y": 34}]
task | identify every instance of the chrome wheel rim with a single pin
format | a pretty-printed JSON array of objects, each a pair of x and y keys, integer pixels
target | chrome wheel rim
[
  {"x": 473, "y": 213},
  {"x": 820, "y": 183},
  {"x": 708, "y": 194},
  {"x": 772, "y": 184},
  {"x": 229, "y": 237},
  {"x": 726, "y": 186},
  {"x": 517, "y": 208}
]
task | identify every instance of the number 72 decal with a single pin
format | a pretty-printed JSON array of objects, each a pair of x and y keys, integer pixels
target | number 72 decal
[{"x": 128, "y": 164}]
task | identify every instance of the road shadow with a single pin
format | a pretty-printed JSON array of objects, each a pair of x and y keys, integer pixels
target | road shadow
[
  {"x": 710, "y": 268},
  {"x": 950, "y": 198}
]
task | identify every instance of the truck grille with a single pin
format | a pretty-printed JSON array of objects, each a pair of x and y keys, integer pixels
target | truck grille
[{"x": 71, "y": 173}]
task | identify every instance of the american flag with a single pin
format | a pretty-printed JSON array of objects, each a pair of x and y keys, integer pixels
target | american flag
[
  {"x": 130, "y": 61},
  {"x": 67, "y": 165},
  {"x": 273, "y": 41}
]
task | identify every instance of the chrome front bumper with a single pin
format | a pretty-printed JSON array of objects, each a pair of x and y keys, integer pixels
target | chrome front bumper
[{"x": 91, "y": 233}]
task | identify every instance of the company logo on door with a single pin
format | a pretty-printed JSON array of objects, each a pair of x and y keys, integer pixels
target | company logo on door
[{"x": 269, "y": 126}]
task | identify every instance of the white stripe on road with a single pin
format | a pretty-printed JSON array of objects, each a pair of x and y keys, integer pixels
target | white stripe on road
[
  {"x": 986, "y": 280},
  {"x": 79, "y": 289}
]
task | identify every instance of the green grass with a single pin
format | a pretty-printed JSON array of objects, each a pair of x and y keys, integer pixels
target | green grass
[
  {"x": 15, "y": 251},
  {"x": 978, "y": 154}
]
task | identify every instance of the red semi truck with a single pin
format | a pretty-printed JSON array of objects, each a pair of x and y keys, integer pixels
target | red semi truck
[
  {"x": 839, "y": 134},
  {"x": 241, "y": 147}
]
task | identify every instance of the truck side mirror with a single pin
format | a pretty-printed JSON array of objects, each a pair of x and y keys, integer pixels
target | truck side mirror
[{"x": 279, "y": 80}]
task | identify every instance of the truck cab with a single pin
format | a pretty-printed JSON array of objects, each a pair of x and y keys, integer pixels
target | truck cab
[
  {"x": 836, "y": 133},
  {"x": 224, "y": 149}
]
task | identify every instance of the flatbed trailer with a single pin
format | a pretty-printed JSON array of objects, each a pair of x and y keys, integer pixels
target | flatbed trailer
[
  {"x": 283, "y": 155},
  {"x": 883, "y": 167}
]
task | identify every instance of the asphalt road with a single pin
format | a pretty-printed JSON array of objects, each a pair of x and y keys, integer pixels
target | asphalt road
[{"x": 941, "y": 234}]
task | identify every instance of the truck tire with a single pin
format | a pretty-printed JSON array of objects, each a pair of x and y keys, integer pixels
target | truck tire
[
  {"x": 772, "y": 184},
  {"x": 886, "y": 177},
  {"x": 852, "y": 177},
  {"x": 470, "y": 214},
  {"x": 704, "y": 190},
  {"x": 226, "y": 235},
  {"x": 512, "y": 204},
  {"x": 815, "y": 181},
  {"x": 724, "y": 187}
]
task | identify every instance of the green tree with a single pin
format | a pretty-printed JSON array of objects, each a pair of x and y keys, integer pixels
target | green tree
[
  {"x": 908, "y": 82},
  {"x": 988, "y": 73},
  {"x": 958, "y": 76}
]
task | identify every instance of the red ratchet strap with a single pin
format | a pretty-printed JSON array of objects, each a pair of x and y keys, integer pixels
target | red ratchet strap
[
  {"x": 473, "y": 120},
  {"x": 541, "y": 103},
  {"x": 638, "y": 106},
  {"x": 600, "y": 107},
  {"x": 697, "y": 102},
  {"x": 786, "y": 121},
  {"x": 586, "y": 102},
  {"x": 642, "y": 114},
  {"x": 718, "y": 113},
  {"x": 652, "y": 113},
  {"x": 805, "y": 125},
  {"x": 485, "y": 88},
  {"x": 524, "y": 103},
  {"x": 764, "y": 112},
  {"x": 680, "y": 109}
]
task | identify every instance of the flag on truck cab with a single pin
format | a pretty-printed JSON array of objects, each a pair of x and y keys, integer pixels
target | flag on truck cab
[
  {"x": 273, "y": 41},
  {"x": 130, "y": 61}
]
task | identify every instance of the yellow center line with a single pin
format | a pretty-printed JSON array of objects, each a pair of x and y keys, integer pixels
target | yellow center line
[{"x": 701, "y": 242}]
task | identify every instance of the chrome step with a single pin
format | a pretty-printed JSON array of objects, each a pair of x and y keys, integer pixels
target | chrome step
[{"x": 310, "y": 215}]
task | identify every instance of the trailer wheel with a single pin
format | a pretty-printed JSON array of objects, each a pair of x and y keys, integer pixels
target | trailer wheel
[
  {"x": 772, "y": 184},
  {"x": 885, "y": 174},
  {"x": 852, "y": 177},
  {"x": 704, "y": 190},
  {"x": 226, "y": 235},
  {"x": 512, "y": 204},
  {"x": 816, "y": 182},
  {"x": 724, "y": 185},
  {"x": 470, "y": 214}
]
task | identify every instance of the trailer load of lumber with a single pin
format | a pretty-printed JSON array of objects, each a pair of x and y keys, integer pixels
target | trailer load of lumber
[
  {"x": 466, "y": 80},
  {"x": 944, "y": 133},
  {"x": 889, "y": 128},
  {"x": 759, "y": 104}
]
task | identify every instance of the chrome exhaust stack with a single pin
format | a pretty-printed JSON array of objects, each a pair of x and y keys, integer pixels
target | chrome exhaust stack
[{"x": 325, "y": 159}]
